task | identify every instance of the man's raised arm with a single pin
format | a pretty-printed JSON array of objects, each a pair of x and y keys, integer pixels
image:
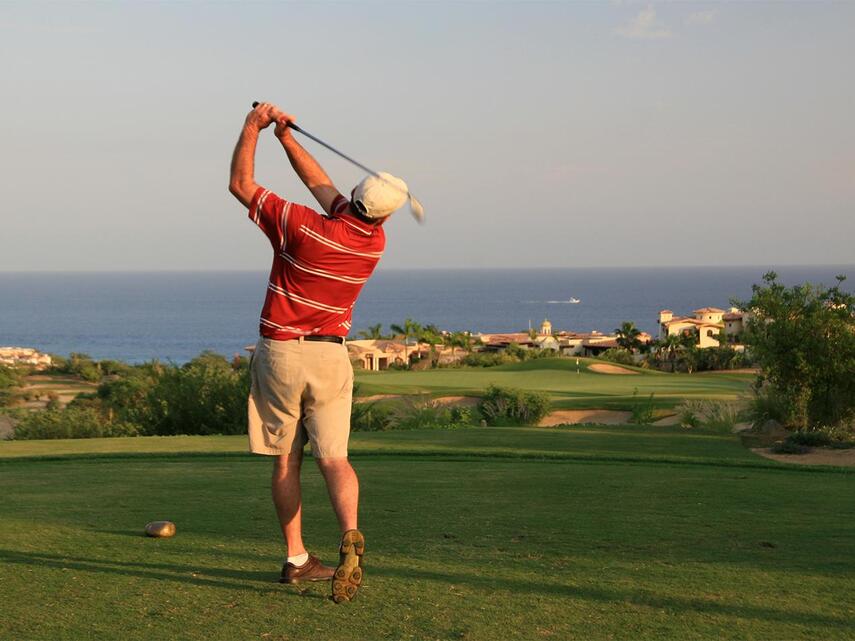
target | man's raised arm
[
  {"x": 242, "y": 180},
  {"x": 306, "y": 167}
]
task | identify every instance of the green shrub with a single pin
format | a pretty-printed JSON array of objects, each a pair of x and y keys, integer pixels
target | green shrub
[
  {"x": 835, "y": 437},
  {"x": 205, "y": 396},
  {"x": 714, "y": 415},
  {"x": 484, "y": 359},
  {"x": 814, "y": 438},
  {"x": 53, "y": 401},
  {"x": 69, "y": 423},
  {"x": 767, "y": 404},
  {"x": 642, "y": 409},
  {"x": 128, "y": 398},
  {"x": 687, "y": 414},
  {"x": 618, "y": 355},
  {"x": 788, "y": 447},
  {"x": 417, "y": 413},
  {"x": 506, "y": 406},
  {"x": 370, "y": 417},
  {"x": 9, "y": 377},
  {"x": 461, "y": 415},
  {"x": 114, "y": 368},
  {"x": 721, "y": 416}
]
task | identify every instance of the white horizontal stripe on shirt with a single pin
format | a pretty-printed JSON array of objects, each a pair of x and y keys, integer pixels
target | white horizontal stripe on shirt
[
  {"x": 306, "y": 301},
  {"x": 287, "y": 328},
  {"x": 331, "y": 243},
  {"x": 357, "y": 228},
  {"x": 320, "y": 272}
]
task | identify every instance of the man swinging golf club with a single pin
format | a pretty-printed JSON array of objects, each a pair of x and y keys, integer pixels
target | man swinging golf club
[{"x": 302, "y": 379}]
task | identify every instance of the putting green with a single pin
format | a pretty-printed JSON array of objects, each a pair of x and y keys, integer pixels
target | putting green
[{"x": 568, "y": 387}]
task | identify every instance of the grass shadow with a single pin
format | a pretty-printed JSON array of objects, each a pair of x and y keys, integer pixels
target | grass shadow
[
  {"x": 551, "y": 586},
  {"x": 193, "y": 575}
]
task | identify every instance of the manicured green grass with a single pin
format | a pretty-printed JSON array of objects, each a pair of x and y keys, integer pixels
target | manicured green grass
[
  {"x": 584, "y": 533},
  {"x": 559, "y": 378}
]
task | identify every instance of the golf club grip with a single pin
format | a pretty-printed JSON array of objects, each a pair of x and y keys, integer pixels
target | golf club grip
[{"x": 255, "y": 103}]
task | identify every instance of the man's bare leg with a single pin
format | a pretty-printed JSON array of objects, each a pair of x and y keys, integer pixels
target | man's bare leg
[
  {"x": 343, "y": 488},
  {"x": 287, "y": 498}
]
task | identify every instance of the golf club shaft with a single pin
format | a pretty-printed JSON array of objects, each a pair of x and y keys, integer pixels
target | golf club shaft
[{"x": 328, "y": 146}]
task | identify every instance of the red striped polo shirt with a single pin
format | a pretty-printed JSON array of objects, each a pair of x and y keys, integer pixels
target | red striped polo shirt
[{"x": 320, "y": 264}]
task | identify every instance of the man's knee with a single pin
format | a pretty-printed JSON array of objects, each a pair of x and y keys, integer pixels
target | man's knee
[
  {"x": 333, "y": 464},
  {"x": 286, "y": 464}
]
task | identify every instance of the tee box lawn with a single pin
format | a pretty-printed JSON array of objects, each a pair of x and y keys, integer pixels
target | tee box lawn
[{"x": 478, "y": 534}]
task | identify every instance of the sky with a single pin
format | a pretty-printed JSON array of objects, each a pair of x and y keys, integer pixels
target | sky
[{"x": 535, "y": 134}]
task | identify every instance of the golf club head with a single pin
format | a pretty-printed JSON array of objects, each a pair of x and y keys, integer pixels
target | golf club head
[{"x": 416, "y": 209}]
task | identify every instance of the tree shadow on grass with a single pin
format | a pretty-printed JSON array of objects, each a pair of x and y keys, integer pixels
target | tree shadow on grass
[
  {"x": 247, "y": 580},
  {"x": 642, "y": 597}
]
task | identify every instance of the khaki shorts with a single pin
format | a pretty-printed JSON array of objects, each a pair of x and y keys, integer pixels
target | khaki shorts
[{"x": 301, "y": 392}]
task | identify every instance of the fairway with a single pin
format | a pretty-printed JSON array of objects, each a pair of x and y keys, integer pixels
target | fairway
[
  {"x": 487, "y": 533},
  {"x": 568, "y": 386}
]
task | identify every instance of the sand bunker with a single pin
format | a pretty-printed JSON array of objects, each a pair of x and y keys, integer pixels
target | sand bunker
[
  {"x": 375, "y": 397},
  {"x": 817, "y": 456},
  {"x": 468, "y": 401},
  {"x": 573, "y": 417},
  {"x": 605, "y": 368}
]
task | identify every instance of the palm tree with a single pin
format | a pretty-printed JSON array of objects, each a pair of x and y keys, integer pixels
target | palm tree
[
  {"x": 670, "y": 345},
  {"x": 689, "y": 338},
  {"x": 409, "y": 328},
  {"x": 373, "y": 332},
  {"x": 432, "y": 335},
  {"x": 458, "y": 339},
  {"x": 627, "y": 336}
]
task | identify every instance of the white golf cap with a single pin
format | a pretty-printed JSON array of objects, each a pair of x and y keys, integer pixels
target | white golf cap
[{"x": 380, "y": 197}]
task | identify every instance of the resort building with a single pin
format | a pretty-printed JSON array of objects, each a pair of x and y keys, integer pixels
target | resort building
[
  {"x": 734, "y": 325},
  {"x": 379, "y": 354},
  {"x": 24, "y": 356},
  {"x": 708, "y": 322}
]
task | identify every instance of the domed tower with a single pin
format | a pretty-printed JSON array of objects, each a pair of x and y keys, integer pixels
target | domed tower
[{"x": 546, "y": 328}]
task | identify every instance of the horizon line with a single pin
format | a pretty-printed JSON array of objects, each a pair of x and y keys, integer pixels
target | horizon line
[{"x": 766, "y": 266}]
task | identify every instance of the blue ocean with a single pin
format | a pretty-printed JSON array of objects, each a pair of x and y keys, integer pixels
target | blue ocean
[{"x": 173, "y": 316}]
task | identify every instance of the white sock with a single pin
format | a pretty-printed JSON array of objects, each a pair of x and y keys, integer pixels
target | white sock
[{"x": 299, "y": 560}]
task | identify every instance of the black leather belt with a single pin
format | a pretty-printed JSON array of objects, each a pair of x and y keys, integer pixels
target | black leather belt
[{"x": 325, "y": 339}]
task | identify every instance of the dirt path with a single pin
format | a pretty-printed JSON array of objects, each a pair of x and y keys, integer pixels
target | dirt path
[
  {"x": 817, "y": 456},
  {"x": 574, "y": 417},
  {"x": 605, "y": 368}
]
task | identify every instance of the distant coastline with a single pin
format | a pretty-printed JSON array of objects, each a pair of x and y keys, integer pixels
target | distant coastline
[{"x": 138, "y": 316}]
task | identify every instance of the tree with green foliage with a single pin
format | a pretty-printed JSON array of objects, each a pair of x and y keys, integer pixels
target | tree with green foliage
[
  {"x": 374, "y": 332},
  {"x": 205, "y": 396},
  {"x": 803, "y": 340},
  {"x": 668, "y": 348},
  {"x": 628, "y": 336},
  {"x": 458, "y": 339},
  {"x": 405, "y": 331},
  {"x": 508, "y": 406},
  {"x": 431, "y": 335},
  {"x": 77, "y": 364}
]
